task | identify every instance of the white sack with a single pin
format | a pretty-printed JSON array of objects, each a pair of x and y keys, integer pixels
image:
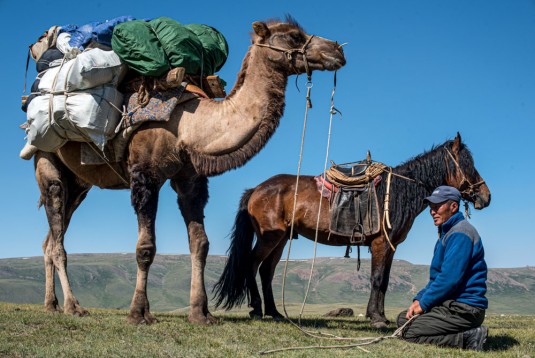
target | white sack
[
  {"x": 95, "y": 67},
  {"x": 91, "y": 112},
  {"x": 40, "y": 133},
  {"x": 81, "y": 116},
  {"x": 91, "y": 68}
]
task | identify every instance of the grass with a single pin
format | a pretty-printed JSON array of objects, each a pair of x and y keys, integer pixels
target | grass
[{"x": 27, "y": 331}]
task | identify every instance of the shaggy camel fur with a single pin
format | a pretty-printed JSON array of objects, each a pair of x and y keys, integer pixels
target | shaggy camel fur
[{"x": 203, "y": 138}]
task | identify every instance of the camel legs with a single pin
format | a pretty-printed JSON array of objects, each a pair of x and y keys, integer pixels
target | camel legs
[
  {"x": 267, "y": 271},
  {"x": 192, "y": 198},
  {"x": 61, "y": 194},
  {"x": 382, "y": 256},
  {"x": 145, "y": 187}
]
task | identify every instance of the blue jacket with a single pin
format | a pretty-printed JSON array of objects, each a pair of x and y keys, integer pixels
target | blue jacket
[{"x": 458, "y": 270}]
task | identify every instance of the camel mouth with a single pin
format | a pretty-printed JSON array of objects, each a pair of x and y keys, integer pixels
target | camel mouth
[{"x": 330, "y": 62}]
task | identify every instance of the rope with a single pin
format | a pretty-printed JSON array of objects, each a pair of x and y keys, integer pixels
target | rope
[
  {"x": 309, "y": 86},
  {"x": 332, "y": 112},
  {"x": 370, "y": 340},
  {"x": 337, "y": 177},
  {"x": 289, "y": 54}
]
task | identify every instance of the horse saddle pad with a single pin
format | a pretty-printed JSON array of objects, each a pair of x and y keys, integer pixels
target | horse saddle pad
[{"x": 355, "y": 212}]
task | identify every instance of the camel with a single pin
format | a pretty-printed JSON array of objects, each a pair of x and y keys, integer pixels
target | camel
[{"x": 203, "y": 138}]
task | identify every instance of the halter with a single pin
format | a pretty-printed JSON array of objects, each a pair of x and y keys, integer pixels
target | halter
[
  {"x": 472, "y": 188},
  {"x": 289, "y": 52}
]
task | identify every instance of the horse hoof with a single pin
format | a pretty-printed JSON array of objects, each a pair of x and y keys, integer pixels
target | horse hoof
[
  {"x": 278, "y": 318},
  {"x": 379, "y": 325},
  {"x": 255, "y": 315}
]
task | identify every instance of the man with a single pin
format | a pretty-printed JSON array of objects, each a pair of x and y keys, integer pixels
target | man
[{"x": 451, "y": 307}]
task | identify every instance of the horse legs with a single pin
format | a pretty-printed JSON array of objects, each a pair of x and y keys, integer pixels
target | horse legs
[
  {"x": 192, "y": 198},
  {"x": 61, "y": 194},
  {"x": 145, "y": 187},
  {"x": 382, "y": 256},
  {"x": 267, "y": 270},
  {"x": 266, "y": 244}
]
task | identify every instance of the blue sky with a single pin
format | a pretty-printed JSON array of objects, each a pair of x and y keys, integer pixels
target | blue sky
[{"x": 417, "y": 73}]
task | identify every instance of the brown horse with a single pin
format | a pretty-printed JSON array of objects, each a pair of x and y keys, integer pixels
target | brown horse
[
  {"x": 203, "y": 138},
  {"x": 266, "y": 211}
]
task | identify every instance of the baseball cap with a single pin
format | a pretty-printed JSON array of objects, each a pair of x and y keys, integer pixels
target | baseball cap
[{"x": 442, "y": 194}]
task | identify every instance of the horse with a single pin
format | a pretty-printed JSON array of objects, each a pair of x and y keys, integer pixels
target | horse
[
  {"x": 202, "y": 138},
  {"x": 266, "y": 212}
]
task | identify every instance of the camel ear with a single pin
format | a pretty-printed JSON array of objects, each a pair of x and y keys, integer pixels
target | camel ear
[
  {"x": 261, "y": 29},
  {"x": 456, "y": 143}
]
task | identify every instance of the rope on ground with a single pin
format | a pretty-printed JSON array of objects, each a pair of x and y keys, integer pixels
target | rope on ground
[{"x": 370, "y": 340}]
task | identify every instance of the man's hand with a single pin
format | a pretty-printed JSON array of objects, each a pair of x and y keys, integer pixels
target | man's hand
[{"x": 414, "y": 309}]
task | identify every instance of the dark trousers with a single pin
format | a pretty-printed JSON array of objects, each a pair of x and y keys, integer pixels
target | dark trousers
[{"x": 443, "y": 325}]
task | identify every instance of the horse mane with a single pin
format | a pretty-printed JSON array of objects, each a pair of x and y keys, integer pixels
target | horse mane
[{"x": 429, "y": 171}]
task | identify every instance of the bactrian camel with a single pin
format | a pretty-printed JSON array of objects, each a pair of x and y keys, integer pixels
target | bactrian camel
[{"x": 203, "y": 138}]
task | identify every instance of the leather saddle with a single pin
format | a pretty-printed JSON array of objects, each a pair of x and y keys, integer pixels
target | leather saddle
[{"x": 354, "y": 206}]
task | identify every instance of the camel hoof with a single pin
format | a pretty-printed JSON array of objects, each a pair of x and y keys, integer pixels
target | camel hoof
[
  {"x": 75, "y": 310},
  {"x": 212, "y": 319},
  {"x": 202, "y": 320},
  {"x": 53, "y": 308},
  {"x": 139, "y": 320}
]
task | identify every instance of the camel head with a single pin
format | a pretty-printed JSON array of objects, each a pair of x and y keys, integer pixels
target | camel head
[{"x": 293, "y": 50}]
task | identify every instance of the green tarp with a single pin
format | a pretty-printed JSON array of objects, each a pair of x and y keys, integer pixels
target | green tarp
[{"x": 152, "y": 48}]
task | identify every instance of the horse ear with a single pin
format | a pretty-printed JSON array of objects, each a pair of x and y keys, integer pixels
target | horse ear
[
  {"x": 456, "y": 143},
  {"x": 261, "y": 29}
]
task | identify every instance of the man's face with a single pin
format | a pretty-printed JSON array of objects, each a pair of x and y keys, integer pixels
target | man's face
[{"x": 441, "y": 212}]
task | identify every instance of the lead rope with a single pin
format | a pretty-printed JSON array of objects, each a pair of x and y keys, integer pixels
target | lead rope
[
  {"x": 309, "y": 86},
  {"x": 319, "y": 335},
  {"x": 332, "y": 112},
  {"x": 398, "y": 333},
  {"x": 386, "y": 223}
]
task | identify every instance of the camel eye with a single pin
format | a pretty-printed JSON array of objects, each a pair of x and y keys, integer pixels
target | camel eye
[{"x": 297, "y": 37}]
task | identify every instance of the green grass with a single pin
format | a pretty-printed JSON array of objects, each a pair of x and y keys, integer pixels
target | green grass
[{"x": 27, "y": 331}]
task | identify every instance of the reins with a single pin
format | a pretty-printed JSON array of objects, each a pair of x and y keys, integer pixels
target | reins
[{"x": 470, "y": 191}]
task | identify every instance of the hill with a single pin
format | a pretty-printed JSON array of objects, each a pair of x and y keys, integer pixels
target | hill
[{"x": 108, "y": 280}]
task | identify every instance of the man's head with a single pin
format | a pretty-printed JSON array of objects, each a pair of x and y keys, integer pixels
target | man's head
[{"x": 443, "y": 203}]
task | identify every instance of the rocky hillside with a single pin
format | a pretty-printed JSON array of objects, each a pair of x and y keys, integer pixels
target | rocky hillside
[{"x": 107, "y": 281}]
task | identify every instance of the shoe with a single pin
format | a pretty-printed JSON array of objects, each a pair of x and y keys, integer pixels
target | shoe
[{"x": 475, "y": 338}]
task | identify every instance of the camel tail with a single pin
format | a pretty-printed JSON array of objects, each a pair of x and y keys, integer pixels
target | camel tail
[{"x": 231, "y": 289}]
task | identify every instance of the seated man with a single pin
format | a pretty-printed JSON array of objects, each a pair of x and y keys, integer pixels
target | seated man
[{"x": 451, "y": 307}]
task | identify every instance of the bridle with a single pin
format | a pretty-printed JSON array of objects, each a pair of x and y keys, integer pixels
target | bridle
[
  {"x": 289, "y": 52},
  {"x": 471, "y": 189}
]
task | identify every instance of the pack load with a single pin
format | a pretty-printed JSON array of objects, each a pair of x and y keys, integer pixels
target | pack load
[
  {"x": 152, "y": 48},
  {"x": 82, "y": 71},
  {"x": 79, "y": 101}
]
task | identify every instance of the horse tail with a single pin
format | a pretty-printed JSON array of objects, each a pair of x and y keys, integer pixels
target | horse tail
[{"x": 231, "y": 289}]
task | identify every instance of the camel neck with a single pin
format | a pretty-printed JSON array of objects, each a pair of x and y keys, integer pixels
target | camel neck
[{"x": 257, "y": 100}]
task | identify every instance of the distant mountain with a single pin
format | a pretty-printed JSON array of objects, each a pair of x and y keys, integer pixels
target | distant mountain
[{"x": 108, "y": 280}]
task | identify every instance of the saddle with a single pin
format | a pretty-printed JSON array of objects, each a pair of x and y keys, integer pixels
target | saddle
[{"x": 354, "y": 210}]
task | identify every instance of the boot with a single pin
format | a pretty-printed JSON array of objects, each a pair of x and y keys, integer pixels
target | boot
[{"x": 475, "y": 338}]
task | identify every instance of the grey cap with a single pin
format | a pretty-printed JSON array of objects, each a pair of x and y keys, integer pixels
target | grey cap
[{"x": 442, "y": 194}]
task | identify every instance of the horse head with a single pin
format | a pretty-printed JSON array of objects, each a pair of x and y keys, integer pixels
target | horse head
[
  {"x": 463, "y": 175},
  {"x": 295, "y": 51}
]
